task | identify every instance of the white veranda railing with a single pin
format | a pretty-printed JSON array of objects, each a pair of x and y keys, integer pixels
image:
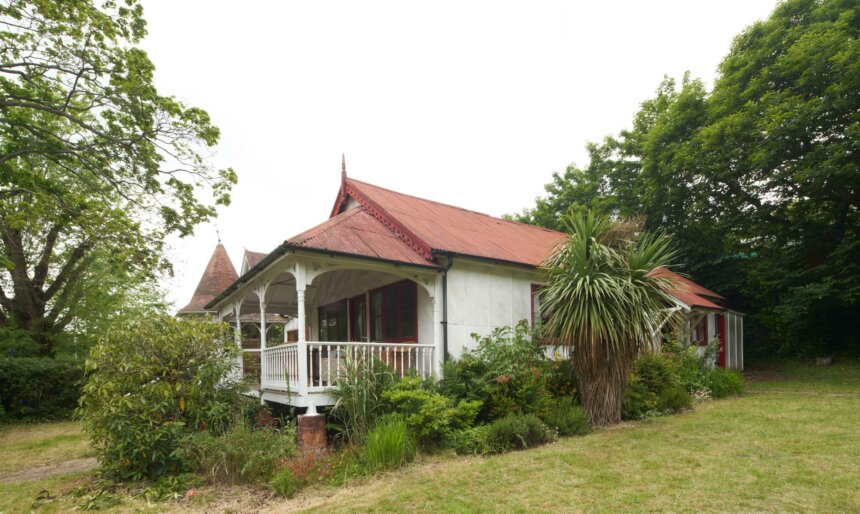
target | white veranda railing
[{"x": 327, "y": 362}]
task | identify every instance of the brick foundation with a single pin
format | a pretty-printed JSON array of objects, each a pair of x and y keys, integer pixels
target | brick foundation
[{"x": 311, "y": 434}]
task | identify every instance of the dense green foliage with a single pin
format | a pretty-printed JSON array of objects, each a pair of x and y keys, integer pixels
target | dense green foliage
[
  {"x": 655, "y": 387},
  {"x": 471, "y": 441},
  {"x": 666, "y": 382},
  {"x": 150, "y": 385},
  {"x": 389, "y": 445},
  {"x": 96, "y": 167},
  {"x": 430, "y": 415},
  {"x": 507, "y": 373},
  {"x": 603, "y": 294},
  {"x": 40, "y": 389},
  {"x": 755, "y": 180},
  {"x": 568, "y": 418},
  {"x": 517, "y": 432},
  {"x": 239, "y": 455}
]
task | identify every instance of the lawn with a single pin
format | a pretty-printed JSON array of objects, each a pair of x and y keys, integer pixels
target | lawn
[{"x": 789, "y": 444}]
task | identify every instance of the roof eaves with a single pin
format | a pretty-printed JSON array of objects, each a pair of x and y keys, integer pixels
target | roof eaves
[{"x": 286, "y": 246}]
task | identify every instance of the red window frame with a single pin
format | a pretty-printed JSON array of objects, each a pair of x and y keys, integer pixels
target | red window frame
[{"x": 384, "y": 313}]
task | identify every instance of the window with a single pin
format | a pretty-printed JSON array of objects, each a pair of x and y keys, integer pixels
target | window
[
  {"x": 358, "y": 318},
  {"x": 535, "y": 297},
  {"x": 394, "y": 312},
  {"x": 332, "y": 322},
  {"x": 250, "y": 336}
]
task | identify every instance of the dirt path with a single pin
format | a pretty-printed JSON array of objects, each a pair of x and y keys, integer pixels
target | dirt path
[{"x": 42, "y": 472}]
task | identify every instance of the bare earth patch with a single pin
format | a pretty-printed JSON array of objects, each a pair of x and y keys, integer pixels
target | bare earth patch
[{"x": 42, "y": 472}]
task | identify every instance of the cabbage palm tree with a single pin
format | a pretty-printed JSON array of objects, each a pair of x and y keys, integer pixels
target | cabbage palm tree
[{"x": 603, "y": 300}]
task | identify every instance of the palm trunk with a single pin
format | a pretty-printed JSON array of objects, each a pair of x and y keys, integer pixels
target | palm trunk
[{"x": 603, "y": 377}]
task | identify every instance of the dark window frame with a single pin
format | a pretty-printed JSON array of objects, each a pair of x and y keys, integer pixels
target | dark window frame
[
  {"x": 396, "y": 286},
  {"x": 327, "y": 308}
]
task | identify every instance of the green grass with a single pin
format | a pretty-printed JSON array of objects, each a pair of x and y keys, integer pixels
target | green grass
[
  {"x": 28, "y": 446},
  {"x": 791, "y": 444}
]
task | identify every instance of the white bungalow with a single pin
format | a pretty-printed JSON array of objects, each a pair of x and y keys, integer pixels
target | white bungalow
[{"x": 402, "y": 278}]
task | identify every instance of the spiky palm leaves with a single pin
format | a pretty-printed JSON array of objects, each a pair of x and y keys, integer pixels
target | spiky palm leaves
[{"x": 603, "y": 300}]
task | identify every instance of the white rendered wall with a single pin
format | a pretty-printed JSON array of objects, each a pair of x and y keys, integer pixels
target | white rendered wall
[{"x": 482, "y": 297}]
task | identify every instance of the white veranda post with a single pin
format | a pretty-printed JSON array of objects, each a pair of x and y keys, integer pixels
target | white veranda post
[
  {"x": 237, "y": 308},
  {"x": 438, "y": 327},
  {"x": 302, "y": 344},
  {"x": 261, "y": 294}
]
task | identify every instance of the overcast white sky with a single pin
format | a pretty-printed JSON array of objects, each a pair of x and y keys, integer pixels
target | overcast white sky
[{"x": 469, "y": 103}]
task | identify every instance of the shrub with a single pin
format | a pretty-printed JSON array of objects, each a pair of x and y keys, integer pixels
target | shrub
[
  {"x": 358, "y": 398},
  {"x": 673, "y": 399},
  {"x": 655, "y": 388},
  {"x": 388, "y": 445},
  {"x": 429, "y": 415},
  {"x": 153, "y": 383},
  {"x": 239, "y": 455},
  {"x": 697, "y": 373},
  {"x": 517, "y": 432},
  {"x": 471, "y": 441},
  {"x": 568, "y": 418},
  {"x": 507, "y": 372},
  {"x": 639, "y": 402},
  {"x": 724, "y": 383},
  {"x": 40, "y": 388},
  {"x": 561, "y": 380}
]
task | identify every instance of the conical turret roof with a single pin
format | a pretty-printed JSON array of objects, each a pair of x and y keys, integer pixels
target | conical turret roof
[{"x": 218, "y": 276}]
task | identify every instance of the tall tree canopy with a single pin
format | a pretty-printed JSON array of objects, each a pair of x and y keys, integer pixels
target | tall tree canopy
[
  {"x": 96, "y": 167},
  {"x": 758, "y": 180}
]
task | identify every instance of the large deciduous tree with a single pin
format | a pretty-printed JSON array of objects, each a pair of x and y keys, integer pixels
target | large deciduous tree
[
  {"x": 757, "y": 181},
  {"x": 603, "y": 299},
  {"x": 96, "y": 166}
]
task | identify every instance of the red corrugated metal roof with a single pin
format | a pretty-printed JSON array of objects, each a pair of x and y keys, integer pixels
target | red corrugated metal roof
[
  {"x": 446, "y": 228},
  {"x": 357, "y": 232},
  {"x": 690, "y": 292},
  {"x": 217, "y": 277}
]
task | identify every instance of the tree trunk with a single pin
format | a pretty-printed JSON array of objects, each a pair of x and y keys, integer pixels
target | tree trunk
[{"x": 603, "y": 377}]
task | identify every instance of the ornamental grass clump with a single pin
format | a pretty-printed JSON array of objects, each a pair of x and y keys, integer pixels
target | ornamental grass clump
[
  {"x": 388, "y": 445},
  {"x": 358, "y": 397}
]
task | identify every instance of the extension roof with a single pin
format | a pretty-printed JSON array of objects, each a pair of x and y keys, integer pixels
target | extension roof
[
  {"x": 217, "y": 277},
  {"x": 691, "y": 293}
]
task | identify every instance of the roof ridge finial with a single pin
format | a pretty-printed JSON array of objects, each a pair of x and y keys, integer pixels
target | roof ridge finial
[
  {"x": 218, "y": 233},
  {"x": 343, "y": 166}
]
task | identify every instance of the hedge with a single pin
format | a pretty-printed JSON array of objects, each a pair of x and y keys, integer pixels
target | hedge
[{"x": 39, "y": 388}]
